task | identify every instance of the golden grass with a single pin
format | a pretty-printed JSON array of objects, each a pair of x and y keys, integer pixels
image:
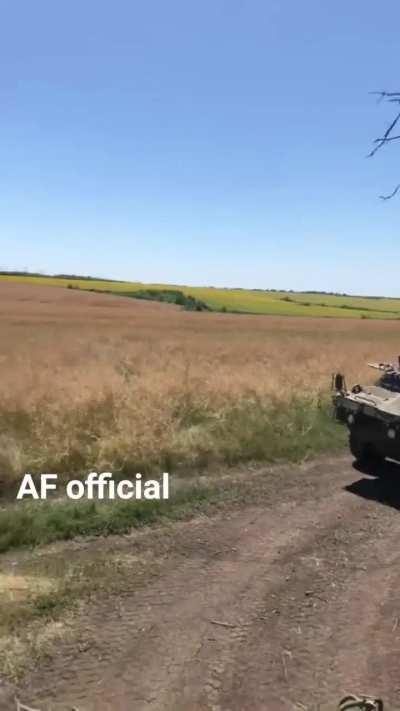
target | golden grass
[{"x": 106, "y": 382}]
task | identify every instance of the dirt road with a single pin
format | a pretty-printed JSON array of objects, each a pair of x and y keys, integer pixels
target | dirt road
[{"x": 284, "y": 605}]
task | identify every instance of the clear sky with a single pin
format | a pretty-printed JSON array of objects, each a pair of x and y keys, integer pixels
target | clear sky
[{"x": 219, "y": 142}]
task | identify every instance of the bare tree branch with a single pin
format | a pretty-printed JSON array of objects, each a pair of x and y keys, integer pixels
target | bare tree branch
[
  {"x": 381, "y": 141},
  {"x": 22, "y": 707},
  {"x": 392, "y": 97},
  {"x": 387, "y": 94},
  {"x": 387, "y": 197},
  {"x": 386, "y": 140}
]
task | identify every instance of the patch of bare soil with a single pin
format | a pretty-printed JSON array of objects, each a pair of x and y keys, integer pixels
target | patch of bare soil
[
  {"x": 30, "y": 303},
  {"x": 285, "y": 605}
]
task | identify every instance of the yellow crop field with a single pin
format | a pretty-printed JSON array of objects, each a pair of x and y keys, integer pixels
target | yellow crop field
[{"x": 244, "y": 300}]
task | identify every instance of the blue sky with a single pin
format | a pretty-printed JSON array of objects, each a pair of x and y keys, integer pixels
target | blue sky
[{"x": 218, "y": 142}]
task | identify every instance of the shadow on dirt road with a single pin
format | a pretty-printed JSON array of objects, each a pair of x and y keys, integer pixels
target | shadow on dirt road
[{"x": 382, "y": 483}]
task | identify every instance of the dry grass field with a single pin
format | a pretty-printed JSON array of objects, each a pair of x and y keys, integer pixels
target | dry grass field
[{"x": 93, "y": 381}]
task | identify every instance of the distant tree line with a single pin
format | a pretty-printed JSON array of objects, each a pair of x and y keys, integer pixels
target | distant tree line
[
  {"x": 179, "y": 295},
  {"x": 71, "y": 277},
  {"x": 170, "y": 296}
]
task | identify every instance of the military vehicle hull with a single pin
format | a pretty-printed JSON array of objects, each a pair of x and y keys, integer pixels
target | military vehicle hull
[{"x": 372, "y": 415}]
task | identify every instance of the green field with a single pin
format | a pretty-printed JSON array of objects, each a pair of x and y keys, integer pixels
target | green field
[{"x": 245, "y": 300}]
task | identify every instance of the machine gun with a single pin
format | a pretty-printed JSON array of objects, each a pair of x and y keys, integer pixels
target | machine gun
[
  {"x": 390, "y": 378},
  {"x": 360, "y": 703}
]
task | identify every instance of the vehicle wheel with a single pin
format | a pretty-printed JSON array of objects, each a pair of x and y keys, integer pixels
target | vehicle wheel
[
  {"x": 357, "y": 446},
  {"x": 362, "y": 450}
]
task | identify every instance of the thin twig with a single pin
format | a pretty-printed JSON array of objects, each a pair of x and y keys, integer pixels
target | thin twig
[
  {"x": 388, "y": 197},
  {"x": 386, "y": 140},
  {"x": 285, "y": 672},
  {"x": 387, "y": 133},
  {"x": 222, "y": 624},
  {"x": 22, "y": 707},
  {"x": 285, "y": 654},
  {"x": 392, "y": 97}
]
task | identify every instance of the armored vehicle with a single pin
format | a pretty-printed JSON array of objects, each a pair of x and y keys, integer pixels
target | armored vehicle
[{"x": 372, "y": 414}]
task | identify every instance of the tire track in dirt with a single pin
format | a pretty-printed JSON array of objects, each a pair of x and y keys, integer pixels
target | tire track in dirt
[{"x": 282, "y": 606}]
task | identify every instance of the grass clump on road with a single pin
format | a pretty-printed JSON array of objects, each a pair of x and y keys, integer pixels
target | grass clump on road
[
  {"x": 40, "y": 596},
  {"x": 34, "y": 523}
]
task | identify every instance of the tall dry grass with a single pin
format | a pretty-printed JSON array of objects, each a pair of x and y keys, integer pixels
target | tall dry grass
[{"x": 91, "y": 381}]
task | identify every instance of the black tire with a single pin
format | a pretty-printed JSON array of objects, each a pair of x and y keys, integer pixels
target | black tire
[
  {"x": 362, "y": 450},
  {"x": 357, "y": 446}
]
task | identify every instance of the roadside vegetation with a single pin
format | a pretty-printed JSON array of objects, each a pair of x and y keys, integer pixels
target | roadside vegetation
[
  {"x": 169, "y": 296},
  {"x": 249, "y": 432}
]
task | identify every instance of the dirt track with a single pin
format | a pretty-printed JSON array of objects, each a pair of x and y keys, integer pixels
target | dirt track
[{"x": 284, "y": 605}]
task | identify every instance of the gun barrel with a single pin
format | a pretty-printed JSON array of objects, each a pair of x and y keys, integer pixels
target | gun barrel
[{"x": 381, "y": 366}]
